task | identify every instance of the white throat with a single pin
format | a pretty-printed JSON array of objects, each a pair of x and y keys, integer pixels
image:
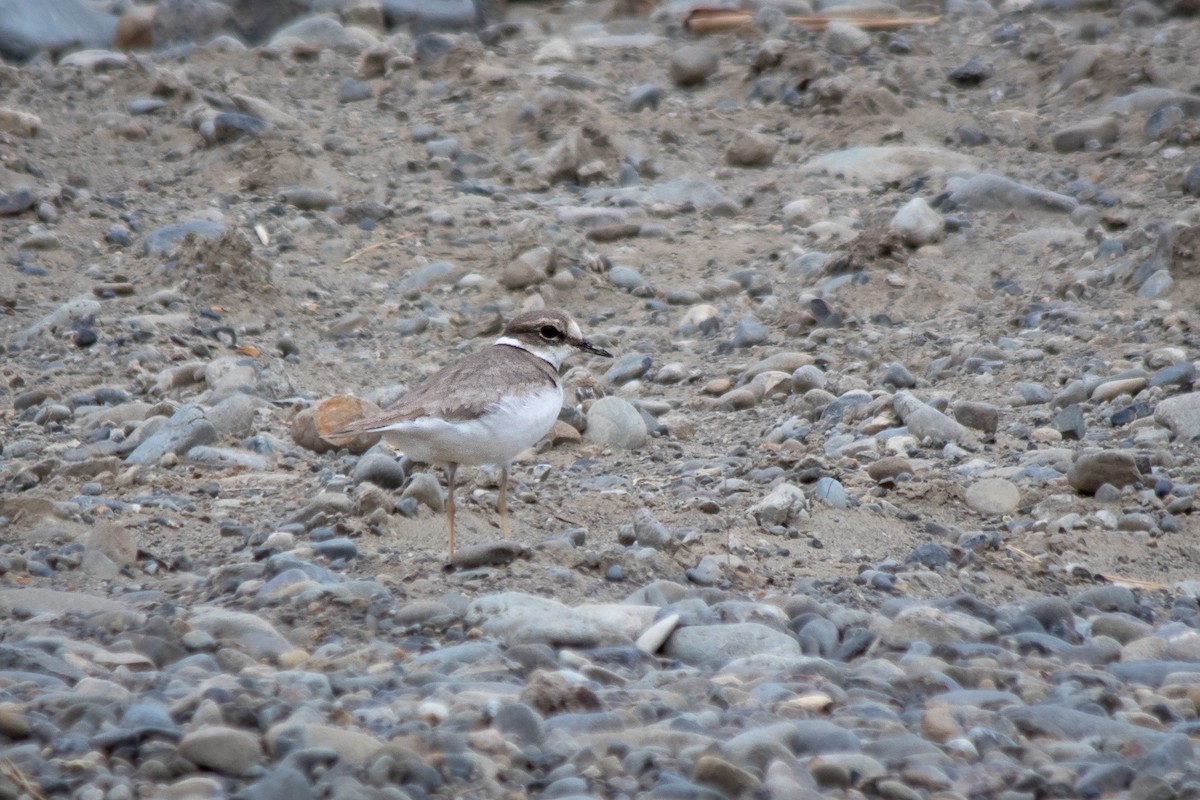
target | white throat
[{"x": 552, "y": 354}]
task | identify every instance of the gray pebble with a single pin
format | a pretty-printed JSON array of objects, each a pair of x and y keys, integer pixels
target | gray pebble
[
  {"x": 708, "y": 644},
  {"x": 642, "y": 96},
  {"x": 1091, "y": 470},
  {"x": 186, "y": 429},
  {"x": 426, "y": 490},
  {"x": 1069, "y": 422},
  {"x": 380, "y": 469},
  {"x": 626, "y": 278},
  {"x": 846, "y": 39},
  {"x": 832, "y": 492},
  {"x": 628, "y": 368},
  {"x": 160, "y": 241},
  {"x": 693, "y": 64},
  {"x": 749, "y": 332},
  {"x": 649, "y": 532},
  {"x": 308, "y": 198},
  {"x": 615, "y": 422}
]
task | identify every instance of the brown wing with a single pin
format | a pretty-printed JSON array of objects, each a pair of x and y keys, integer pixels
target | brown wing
[{"x": 462, "y": 390}]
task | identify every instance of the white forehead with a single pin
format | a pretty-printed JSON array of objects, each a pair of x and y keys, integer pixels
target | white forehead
[{"x": 573, "y": 331}]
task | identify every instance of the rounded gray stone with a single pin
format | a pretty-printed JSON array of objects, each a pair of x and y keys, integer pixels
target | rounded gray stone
[
  {"x": 229, "y": 751},
  {"x": 614, "y": 422},
  {"x": 693, "y": 64},
  {"x": 994, "y": 496},
  {"x": 703, "y": 644}
]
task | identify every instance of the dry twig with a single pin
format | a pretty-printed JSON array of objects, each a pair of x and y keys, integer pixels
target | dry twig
[
  {"x": 376, "y": 246},
  {"x": 714, "y": 20}
]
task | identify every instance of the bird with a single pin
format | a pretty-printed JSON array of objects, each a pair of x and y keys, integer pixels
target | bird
[{"x": 486, "y": 407}]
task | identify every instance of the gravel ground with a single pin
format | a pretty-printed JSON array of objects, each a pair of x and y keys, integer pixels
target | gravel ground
[{"x": 888, "y": 492}]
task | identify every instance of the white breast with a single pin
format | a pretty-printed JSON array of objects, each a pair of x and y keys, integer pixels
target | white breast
[{"x": 509, "y": 427}]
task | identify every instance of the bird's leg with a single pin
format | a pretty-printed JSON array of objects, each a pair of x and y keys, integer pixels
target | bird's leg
[
  {"x": 502, "y": 501},
  {"x": 450, "y": 470}
]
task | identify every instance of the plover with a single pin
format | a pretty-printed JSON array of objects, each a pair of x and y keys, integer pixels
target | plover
[{"x": 486, "y": 407}]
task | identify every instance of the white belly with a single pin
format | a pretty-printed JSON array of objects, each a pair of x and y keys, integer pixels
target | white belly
[{"x": 495, "y": 438}]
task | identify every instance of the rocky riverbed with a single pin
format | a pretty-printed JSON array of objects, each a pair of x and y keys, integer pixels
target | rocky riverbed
[{"x": 889, "y": 491}]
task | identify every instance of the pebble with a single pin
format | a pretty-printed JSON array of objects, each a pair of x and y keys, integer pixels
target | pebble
[
  {"x": 425, "y": 489},
  {"x": 706, "y": 644},
  {"x": 1070, "y": 422},
  {"x": 889, "y": 469},
  {"x": 1091, "y": 470},
  {"x": 380, "y": 469},
  {"x": 1092, "y": 134},
  {"x": 892, "y": 525},
  {"x": 222, "y": 749},
  {"x": 308, "y": 198},
  {"x": 846, "y": 39},
  {"x": 925, "y": 421},
  {"x": 615, "y": 422},
  {"x": 917, "y": 224},
  {"x": 186, "y": 428},
  {"x": 979, "y": 416},
  {"x": 629, "y": 368},
  {"x": 1181, "y": 414},
  {"x": 229, "y": 126},
  {"x": 993, "y": 496},
  {"x": 750, "y": 149},
  {"x": 693, "y": 64},
  {"x": 749, "y": 332},
  {"x": 644, "y": 96},
  {"x": 160, "y": 241},
  {"x": 649, "y": 532}
]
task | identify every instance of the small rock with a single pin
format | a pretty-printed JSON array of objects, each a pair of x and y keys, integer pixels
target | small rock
[
  {"x": 749, "y": 149},
  {"x": 1069, "y": 422},
  {"x": 925, "y": 421},
  {"x": 649, "y": 532},
  {"x": 308, "y": 198},
  {"x": 693, "y": 64},
  {"x": 972, "y": 73},
  {"x": 19, "y": 123},
  {"x": 994, "y": 496},
  {"x": 918, "y": 224},
  {"x": 330, "y": 415},
  {"x": 846, "y": 39},
  {"x": 731, "y": 779},
  {"x": 490, "y": 554},
  {"x": 646, "y": 95},
  {"x": 382, "y": 470},
  {"x": 1191, "y": 180},
  {"x": 629, "y": 368},
  {"x": 898, "y": 376},
  {"x": 531, "y": 267},
  {"x": 886, "y": 470},
  {"x": 1181, "y": 414},
  {"x": 707, "y": 644},
  {"x": 1091, "y": 134},
  {"x": 832, "y": 492},
  {"x": 615, "y": 422},
  {"x": 749, "y": 332},
  {"x": 187, "y": 428},
  {"x": 426, "y": 490},
  {"x": 1092, "y": 470},
  {"x": 979, "y": 416},
  {"x": 785, "y": 502},
  {"x": 160, "y": 240},
  {"x": 229, "y": 751}
]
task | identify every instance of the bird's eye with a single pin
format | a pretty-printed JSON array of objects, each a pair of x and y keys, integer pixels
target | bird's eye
[{"x": 550, "y": 332}]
